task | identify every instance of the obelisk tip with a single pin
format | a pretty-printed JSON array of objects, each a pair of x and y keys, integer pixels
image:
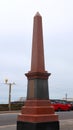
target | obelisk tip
[{"x": 37, "y": 14}]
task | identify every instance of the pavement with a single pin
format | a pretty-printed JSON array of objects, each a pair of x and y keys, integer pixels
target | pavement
[{"x": 64, "y": 125}]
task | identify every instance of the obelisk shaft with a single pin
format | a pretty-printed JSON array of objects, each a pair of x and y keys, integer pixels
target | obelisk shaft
[{"x": 37, "y": 61}]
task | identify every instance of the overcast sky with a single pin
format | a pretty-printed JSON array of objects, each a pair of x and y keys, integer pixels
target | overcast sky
[{"x": 16, "y": 26}]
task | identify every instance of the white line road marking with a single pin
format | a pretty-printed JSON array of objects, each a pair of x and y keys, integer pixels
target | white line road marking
[
  {"x": 9, "y": 113},
  {"x": 7, "y": 126}
]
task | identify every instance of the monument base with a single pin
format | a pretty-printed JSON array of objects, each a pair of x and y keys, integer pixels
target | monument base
[
  {"x": 37, "y": 115},
  {"x": 38, "y": 126}
]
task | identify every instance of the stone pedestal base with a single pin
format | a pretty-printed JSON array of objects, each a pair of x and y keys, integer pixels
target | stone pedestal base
[
  {"x": 38, "y": 126},
  {"x": 37, "y": 115}
]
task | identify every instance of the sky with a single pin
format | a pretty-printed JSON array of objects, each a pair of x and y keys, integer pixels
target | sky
[{"x": 16, "y": 28}]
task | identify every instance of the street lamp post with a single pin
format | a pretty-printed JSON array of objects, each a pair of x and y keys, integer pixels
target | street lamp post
[{"x": 10, "y": 85}]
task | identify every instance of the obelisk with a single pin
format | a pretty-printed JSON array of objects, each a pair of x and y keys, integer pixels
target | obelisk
[{"x": 37, "y": 113}]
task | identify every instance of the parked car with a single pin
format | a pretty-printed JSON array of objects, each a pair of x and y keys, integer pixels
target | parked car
[
  {"x": 61, "y": 105},
  {"x": 72, "y": 106},
  {"x": 71, "y": 102}
]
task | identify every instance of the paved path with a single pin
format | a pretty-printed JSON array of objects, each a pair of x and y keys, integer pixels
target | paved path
[
  {"x": 64, "y": 125},
  {"x": 8, "y": 127}
]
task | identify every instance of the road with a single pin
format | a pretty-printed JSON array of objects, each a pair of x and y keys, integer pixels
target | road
[
  {"x": 65, "y": 115},
  {"x": 11, "y": 118},
  {"x": 8, "y": 121}
]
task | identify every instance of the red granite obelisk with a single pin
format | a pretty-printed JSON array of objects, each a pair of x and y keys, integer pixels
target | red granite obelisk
[{"x": 37, "y": 113}]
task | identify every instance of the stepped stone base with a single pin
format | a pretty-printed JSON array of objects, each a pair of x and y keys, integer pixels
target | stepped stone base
[{"x": 37, "y": 115}]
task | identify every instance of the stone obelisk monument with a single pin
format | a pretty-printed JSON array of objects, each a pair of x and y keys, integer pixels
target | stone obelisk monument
[{"x": 37, "y": 113}]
